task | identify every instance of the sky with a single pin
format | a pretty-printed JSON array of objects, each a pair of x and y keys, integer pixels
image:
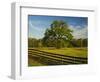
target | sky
[{"x": 37, "y": 25}]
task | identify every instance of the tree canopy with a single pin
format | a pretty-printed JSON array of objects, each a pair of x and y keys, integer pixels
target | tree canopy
[{"x": 58, "y": 34}]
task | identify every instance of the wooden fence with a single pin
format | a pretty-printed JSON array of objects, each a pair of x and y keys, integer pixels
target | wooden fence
[{"x": 48, "y": 58}]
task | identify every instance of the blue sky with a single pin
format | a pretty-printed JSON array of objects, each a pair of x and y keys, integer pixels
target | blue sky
[{"x": 38, "y": 24}]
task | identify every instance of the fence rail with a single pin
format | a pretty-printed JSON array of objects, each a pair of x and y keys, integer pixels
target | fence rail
[{"x": 54, "y": 59}]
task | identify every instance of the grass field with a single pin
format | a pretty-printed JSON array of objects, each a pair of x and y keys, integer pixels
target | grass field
[
  {"x": 76, "y": 52},
  {"x": 32, "y": 62}
]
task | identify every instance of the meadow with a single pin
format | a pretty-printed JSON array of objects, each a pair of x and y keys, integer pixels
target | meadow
[
  {"x": 76, "y": 52},
  {"x": 73, "y": 52}
]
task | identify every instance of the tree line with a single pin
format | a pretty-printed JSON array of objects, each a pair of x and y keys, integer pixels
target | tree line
[{"x": 32, "y": 42}]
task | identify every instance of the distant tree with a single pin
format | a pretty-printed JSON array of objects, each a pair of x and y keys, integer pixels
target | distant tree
[
  {"x": 80, "y": 42},
  {"x": 40, "y": 43},
  {"x": 32, "y": 42},
  {"x": 58, "y": 34},
  {"x": 85, "y": 42}
]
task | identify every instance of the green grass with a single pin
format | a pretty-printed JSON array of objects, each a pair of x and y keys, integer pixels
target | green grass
[
  {"x": 32, "y": 62},
  {"x": 77, "y": 52}
]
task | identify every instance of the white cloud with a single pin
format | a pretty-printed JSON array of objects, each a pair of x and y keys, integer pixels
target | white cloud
[
  {"x": 79, "y": 32},
  {"x": 35, "y": 31},
  {"x": 32, "y": 26}
]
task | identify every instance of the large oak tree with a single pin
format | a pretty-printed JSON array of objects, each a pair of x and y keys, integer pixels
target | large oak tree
[{"x": 58, "y": 34}]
